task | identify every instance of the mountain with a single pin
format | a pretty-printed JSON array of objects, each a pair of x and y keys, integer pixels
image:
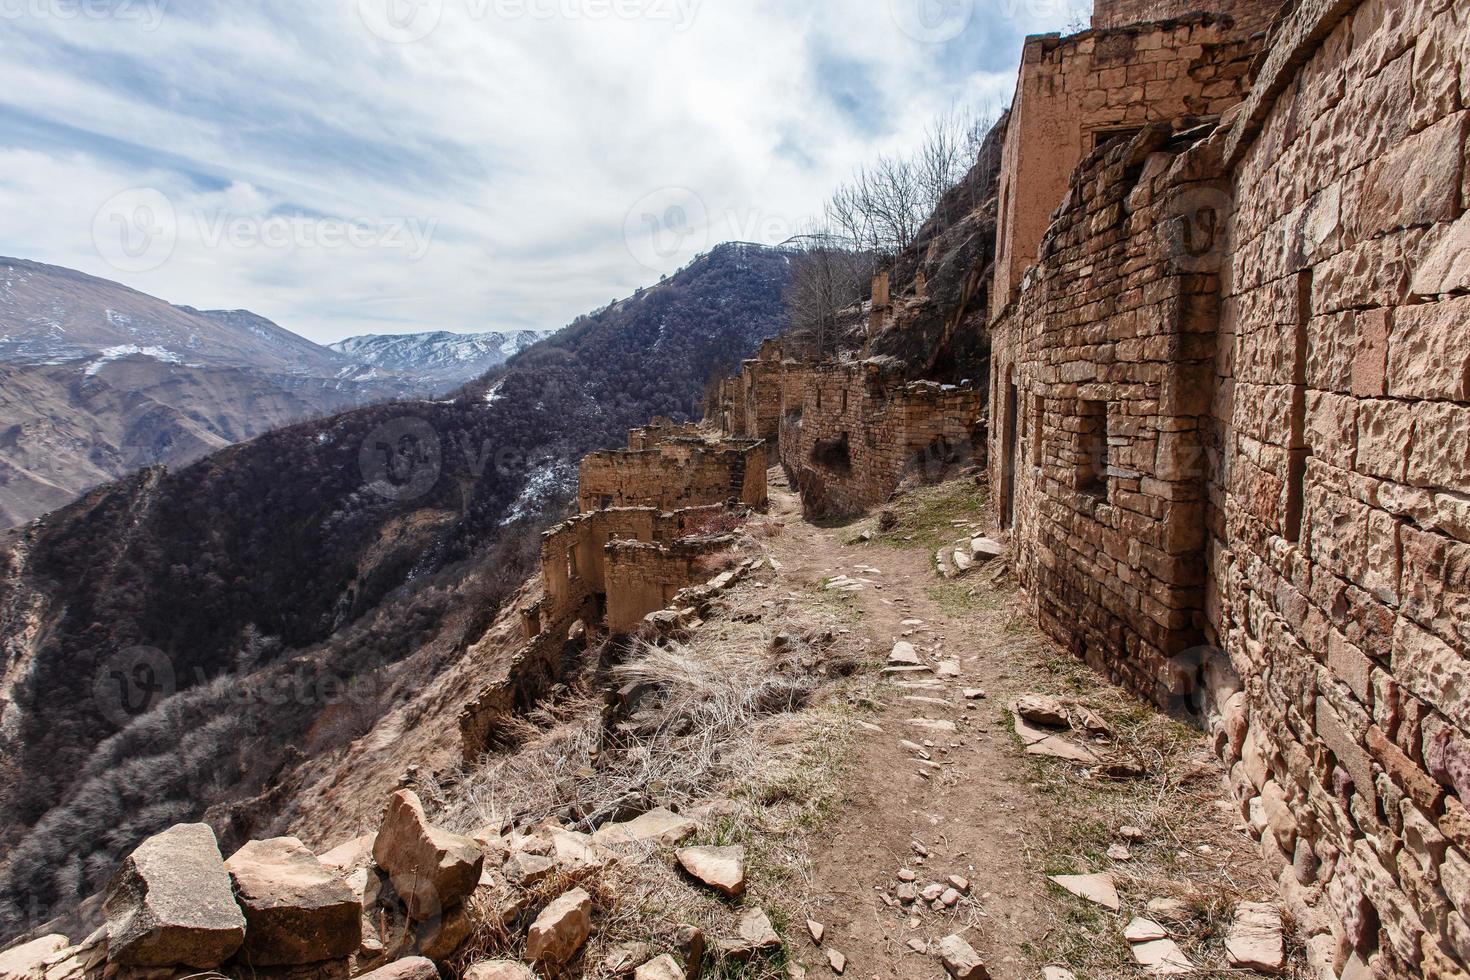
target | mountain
[
  {"x": 448, "y": 358},
  {"x": 365, "y": 549},
  {"x": 97, "y": 380}
]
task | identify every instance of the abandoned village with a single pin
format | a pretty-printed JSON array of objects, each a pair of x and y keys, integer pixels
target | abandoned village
[{"x": 1204, "y": 343}]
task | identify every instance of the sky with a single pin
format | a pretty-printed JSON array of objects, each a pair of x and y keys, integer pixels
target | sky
[{"x": 386, "y": 166}]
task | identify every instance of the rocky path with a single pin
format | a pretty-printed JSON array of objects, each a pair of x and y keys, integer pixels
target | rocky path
[
  {"x": 951, "y": 828},
  {"x": 940, "y": 790}
]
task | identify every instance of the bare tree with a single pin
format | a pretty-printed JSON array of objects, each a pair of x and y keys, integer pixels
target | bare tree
[{"x": 826, "y": 276}]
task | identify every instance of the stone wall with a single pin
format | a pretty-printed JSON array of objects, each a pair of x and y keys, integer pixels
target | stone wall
[
  {"x": 851, "y": 433},
  {"x": 642, "y": 578},
  {"x": 679, "y": 472},
  {"x": 1250, "y": 16},
  {"x": 1231, "y": 430},
  {"x": 1074, "y": 93}
]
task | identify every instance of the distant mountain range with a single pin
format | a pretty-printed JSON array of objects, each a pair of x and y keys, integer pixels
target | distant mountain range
[
  {"x": 449, "y": 358},
  {"x": 98, "y": 380}
]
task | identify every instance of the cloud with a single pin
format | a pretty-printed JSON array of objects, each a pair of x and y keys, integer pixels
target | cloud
[{"x": 347, "y": 166}]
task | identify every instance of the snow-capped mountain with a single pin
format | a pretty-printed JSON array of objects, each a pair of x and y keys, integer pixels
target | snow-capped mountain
[{"x": 449, "y": 358}]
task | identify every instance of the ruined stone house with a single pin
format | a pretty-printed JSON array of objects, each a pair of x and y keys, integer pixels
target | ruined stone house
[{"x": 1230, "y": 422}]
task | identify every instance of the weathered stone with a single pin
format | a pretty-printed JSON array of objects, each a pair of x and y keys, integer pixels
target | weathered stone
[
  {"x": 816, "y": 930},
  {"x": 410, "y": 968},
  {"x": 1097, "y": 888},
  {"x": 663, "y": 968},
  {"x": 1040, "y": 709},
  {"x": 960, "y": 959},
  {"x": 27, "y": 961},
  {"x": 560, "y": 930},
  {"x": 689, "y": 942},
  {"x": 498, "y": 970},
  {"x": 296, "y": 911},
  {"x": 624, "y": 960},
  {"x": 431, "y": 869},
  {"x": 837, "y": 961},
  {"x": 1144, "y": 931},
  {"x": 1162, "y": 957},
  {"x": 904, "y": 655},
  {"x": 170, "y": 903},
  {"x": 526, "y": 869},
  {"x": 754, "y": 934},
  {"x": 1255, "y": 941},
  {"x": 721, "y": 868},
  {"x": 576, "y": 853},
  {"x": 654, "y": 827}
]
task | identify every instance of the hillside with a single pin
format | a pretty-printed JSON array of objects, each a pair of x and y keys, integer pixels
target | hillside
[
  {"x": 98, "y": 380},
  {"x": 337, "y": 547}
]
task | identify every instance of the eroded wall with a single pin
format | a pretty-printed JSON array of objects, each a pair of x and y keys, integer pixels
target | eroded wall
[{"x": 676, "y": 473}]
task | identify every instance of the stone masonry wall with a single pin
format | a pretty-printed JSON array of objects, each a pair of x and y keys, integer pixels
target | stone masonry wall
[
  {"x": 643, "y": 578},
  {"x": 676, "y": 473},
  {"x": 850, "y": 434},
  {"x": 1250, "y": 16},
  {"x": 1267, "y": 326},
  {"x": 1074, "y": 93}
]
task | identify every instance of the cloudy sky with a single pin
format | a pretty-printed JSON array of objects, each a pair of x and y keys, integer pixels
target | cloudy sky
[{"x": 364, "y": 166}]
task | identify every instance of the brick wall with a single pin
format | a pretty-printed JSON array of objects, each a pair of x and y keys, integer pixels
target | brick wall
[{"x": 1269, "y": 329}]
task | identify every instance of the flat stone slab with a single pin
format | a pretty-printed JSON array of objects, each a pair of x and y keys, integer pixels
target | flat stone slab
[
  {"x": 171, "y": 903},
  {"x": 1162, "y": 957},
  {"x": 1040, "y": 741},
  {"x": 560, "y": 930},
  {"x": 934, "y": 725},
  {"x": 1099, "y": 889},
  {"x": 721, "y": 868},
  {"x": 1143, "y": 930},
  {"x": 654, "y": 827},
  {"x": 904, "y": 655},
  {"x": 1256, "y": 940},
  {"x": 754, "y": 934}
]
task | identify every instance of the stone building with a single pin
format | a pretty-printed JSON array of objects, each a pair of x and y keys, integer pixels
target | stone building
[
  {"x": 669, "y": 469},
  {"x": 1230, "y": 429},
  {"x": 750, "y": 402}
]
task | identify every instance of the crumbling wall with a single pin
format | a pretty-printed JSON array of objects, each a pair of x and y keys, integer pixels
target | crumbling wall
[
  {"x": 1280, "y": 545},
  {"x": 1250, "y": 16},
  {"x": 659, "y": 431},
  {"x": 852, "y": 433},
  {"x": 643, "y": 577},
  {"x": 1075, "y": 93},
  {"x": 679, "y": 472}
]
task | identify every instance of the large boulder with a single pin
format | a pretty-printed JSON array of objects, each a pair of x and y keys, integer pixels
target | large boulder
[
  {"x": 560, "y": 930},
  {"x": 431, "y": 869},
  {"x": 296, "y": 910},
  {"x": 170, "y": 903}
]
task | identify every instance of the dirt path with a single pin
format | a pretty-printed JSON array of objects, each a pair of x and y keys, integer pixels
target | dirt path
[
  {"x": 968, "y": 810},
  {"x": 937, "y": 802}
]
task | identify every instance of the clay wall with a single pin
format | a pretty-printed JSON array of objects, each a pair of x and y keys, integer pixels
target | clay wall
[{"x": 1074, "y": 93}]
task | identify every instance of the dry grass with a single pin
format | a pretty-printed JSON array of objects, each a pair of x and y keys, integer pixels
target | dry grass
[{"x": 745, "y": 735}]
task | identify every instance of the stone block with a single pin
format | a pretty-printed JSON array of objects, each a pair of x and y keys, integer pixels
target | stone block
[{"x": 1429, "y": 356}]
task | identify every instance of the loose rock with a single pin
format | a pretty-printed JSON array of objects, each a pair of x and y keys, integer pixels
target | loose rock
[
  {"x": 296, "y": 911},
  {"x": 498, "y": 970},
  {"x": 171, "y": 904},
  {"x": 755, "y": 935},
  {"x": 1098, "y": 888},
  {"x": 1142, "y": 930},
  {"x": 431, "y": 869},
  {"x": 560, "y": 930},
  {"x": 721, "y": 868},
  {"x": 836, "y": 961},
  {"x": 663, "y": 968},
  {"x": 1255, "y": 941},
  {"x": 654, "y": 827},
  {"x": 410, "y": 968},
  {"x": 1162, "y": 957},
  {"x": 960, "y": 959},
  {"x": 816, "y": 930},
  {"x": 1041, "y": 709}
]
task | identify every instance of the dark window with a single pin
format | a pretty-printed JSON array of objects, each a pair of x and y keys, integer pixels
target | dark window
[
  {"x": 571, "y": 562},
  {"x": 1092, "y": 448}
]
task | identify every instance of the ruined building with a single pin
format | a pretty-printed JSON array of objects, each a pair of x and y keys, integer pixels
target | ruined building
[
  {"x": 1230, "y": 422},
  {"x": 652, "y": 516}
]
